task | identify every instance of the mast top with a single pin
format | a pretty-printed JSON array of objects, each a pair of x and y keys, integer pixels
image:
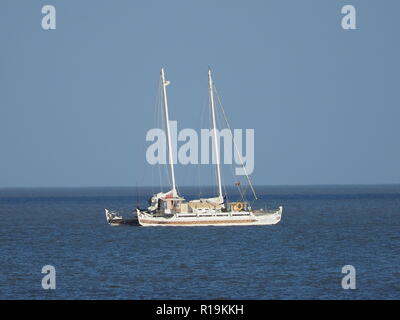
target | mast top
[{"x": 209, "y": 73}]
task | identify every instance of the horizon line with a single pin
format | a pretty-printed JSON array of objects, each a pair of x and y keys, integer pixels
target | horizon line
[{"x": 203, "y": 186}]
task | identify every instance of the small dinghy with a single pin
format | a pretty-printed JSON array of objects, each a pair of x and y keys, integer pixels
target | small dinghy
[{"x": 114, "y": 219}]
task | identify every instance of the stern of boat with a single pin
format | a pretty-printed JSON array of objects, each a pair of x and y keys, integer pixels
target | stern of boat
[{"x": 269, "y": 216}]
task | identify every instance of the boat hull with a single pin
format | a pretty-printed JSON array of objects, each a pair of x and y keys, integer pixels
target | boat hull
[
  {"x": 148, "y": 220},
  {"x": 116, "y": 220}
]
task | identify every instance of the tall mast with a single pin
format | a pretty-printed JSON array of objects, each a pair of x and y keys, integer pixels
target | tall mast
[
  {"x": 171, "y": 160},
  {"x": 216, "y": 146}
]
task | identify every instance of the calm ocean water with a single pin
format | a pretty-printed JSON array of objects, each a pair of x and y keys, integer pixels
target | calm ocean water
[{"x": 322, "y": 229}]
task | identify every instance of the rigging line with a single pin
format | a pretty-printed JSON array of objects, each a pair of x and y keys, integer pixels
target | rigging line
[
  {"x": 218, "y": 177},
  {"x": 157, "y": 125},
  {"x": 156, "y": 118},
  {"x": 235, "y": 179},
  {"x": 141, "y": 178},
  {"x": 137, "y": 195},
  {"x": 245, "y": 191},
  {"x": 202, "y": 112},
  {"x": 240, "y": 192},
  {"x": 236, "y": 149},
  {"x": 163, "y": 127},
  {"x": 218, "y": 120},
  {"x": 213, "y": 153},
  {"x": 232, "y": 170}
]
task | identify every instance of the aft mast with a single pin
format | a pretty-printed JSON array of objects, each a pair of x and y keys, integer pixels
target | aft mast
[
  {"x": 171, "y": 160},
  {"x": 215, "y": 144}
]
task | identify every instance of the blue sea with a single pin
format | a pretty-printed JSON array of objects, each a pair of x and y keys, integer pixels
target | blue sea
[{"x": 323, "y": 228}]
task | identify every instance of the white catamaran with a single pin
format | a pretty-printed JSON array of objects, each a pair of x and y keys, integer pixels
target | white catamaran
[{"x": 170, "y": 209}]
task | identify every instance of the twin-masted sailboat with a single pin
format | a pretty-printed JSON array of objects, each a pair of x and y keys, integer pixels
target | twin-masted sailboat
[{"x": 171, "y": 209}]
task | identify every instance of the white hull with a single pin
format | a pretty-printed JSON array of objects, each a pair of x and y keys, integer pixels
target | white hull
[{"x": 219, "y": 219}]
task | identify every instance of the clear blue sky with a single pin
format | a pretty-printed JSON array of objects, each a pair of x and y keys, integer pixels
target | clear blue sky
[{"x": 76, "y": 102}]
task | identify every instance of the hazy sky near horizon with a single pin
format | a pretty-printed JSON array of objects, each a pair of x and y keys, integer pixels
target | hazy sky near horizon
[{"x": 76, "y": 102}]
